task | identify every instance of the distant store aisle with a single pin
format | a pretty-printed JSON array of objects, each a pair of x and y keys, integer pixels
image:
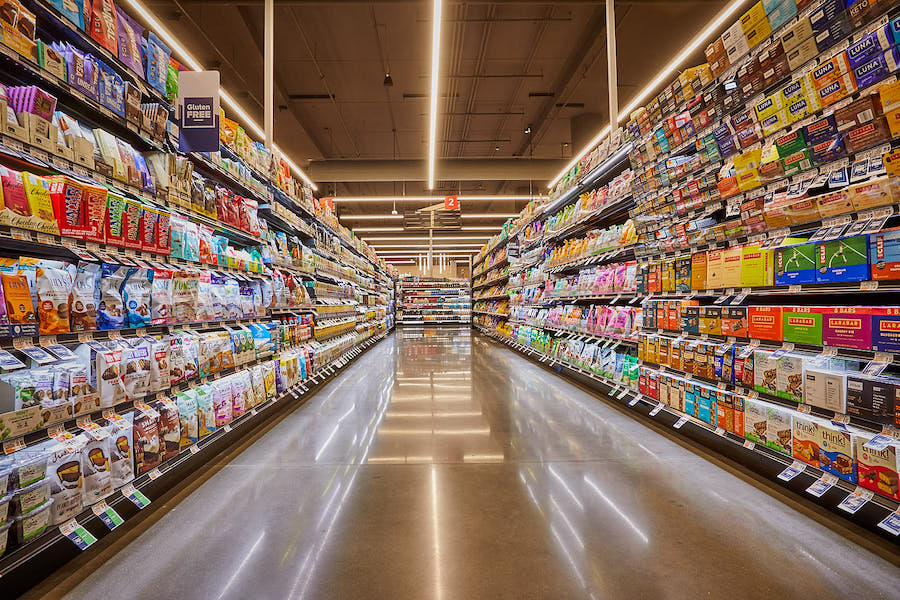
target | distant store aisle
[{"x": 444, "y": 466}]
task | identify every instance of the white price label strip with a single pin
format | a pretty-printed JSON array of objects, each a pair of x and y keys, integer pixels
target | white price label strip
[
  {"x": 822, "y": 485},
  {"x": 855, "y": 500},
  {"x": 792, "y": 470}
]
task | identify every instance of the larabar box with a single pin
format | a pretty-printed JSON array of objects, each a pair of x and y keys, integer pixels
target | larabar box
[
  {"x": 804, "y": 52},
  {"x": 874, "y": 193},
  {"x": 698, "y": 271},
  {"x": 802, "y": 324},
  {"x": 764, "y": 323},
  {"x": 886, "y": 329},
  {"x": 834, "y": 203},
  {"x": 884, "y": 254},
  {"x": 715, "y": 263},
  {"x": 844, "y": 259},
  {"x": 756, "y": 266},
  {"x": 731, "y": 267},
  {"x": 878, "y": 470},
  {"x": 734, "y": 321},
  {"x": 847, "y": 327}
]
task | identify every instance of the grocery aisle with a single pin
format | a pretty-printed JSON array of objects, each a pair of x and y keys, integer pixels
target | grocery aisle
[{"x": 442, "y": 465}]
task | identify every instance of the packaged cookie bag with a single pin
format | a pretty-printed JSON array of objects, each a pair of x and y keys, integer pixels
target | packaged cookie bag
[
  {"x": 85, "y": 297},
  {"x": 104, "y": 375},
  {"x": 111, "y": 309},
  {"x": 120, "y": 444},
  {"x": 54, "y": 287},
  {"x": 136, "y": 296},
  {"x": 95, "y": 469}
]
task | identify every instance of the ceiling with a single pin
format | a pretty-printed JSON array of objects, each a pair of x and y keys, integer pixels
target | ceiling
[{"x": 505, "y": 66}]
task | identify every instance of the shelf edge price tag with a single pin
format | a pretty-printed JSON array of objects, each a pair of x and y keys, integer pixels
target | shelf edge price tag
[
  {"x": 656, "y": 409},
  {"x": 856, "y": 500},
  {"x": 749, "y": 444},
  {"x": 891, "y": 523},
  {"x": 136, "y": 496},
  {"x": 792, "y": 470},
  {"x": 107, "y": 514},
  {"x": 154, "y": 473},
  {"x": 76, "y": 532},
  {"x": 680, "y": 422},
  {"x": 822, "y": 485}
]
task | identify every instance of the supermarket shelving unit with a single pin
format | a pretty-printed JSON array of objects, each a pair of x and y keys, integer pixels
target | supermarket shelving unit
[{"x": 433, "y": 301}]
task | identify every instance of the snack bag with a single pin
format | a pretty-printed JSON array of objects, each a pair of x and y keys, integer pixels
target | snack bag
[
  {"x": 161, "y": 305},
  {"x": 136, "y": 296},
  {"x": 96, "y": 471},
  {"x": 160, "y": 361},
  {"x": 85, "y": 297},
  {"x": 104, "y": 374},
  {"x": 54, "y": 287},
  {"x": 111, "y": 309},
  {"x": 19, "y": 306},
  {"x": 147, "y": 445},
  {"x": 169, "y": 429},
  {"x": 103, "y": 24},
  {"x": 129, "y": 36},
  {"x": 120, "y": 444},
  {"x": 136, "y": 369},
  {"x": 37, "y": 191},
  {"x": 206, "y": 414},
  {"x": 188, "y": 417}
]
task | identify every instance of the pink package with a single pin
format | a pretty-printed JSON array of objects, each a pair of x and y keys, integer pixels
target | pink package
[
  {"x": 619, "y": 284},
  {"x": 848, "y": 327}
]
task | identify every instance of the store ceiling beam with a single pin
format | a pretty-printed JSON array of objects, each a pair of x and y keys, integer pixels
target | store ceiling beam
[{"x": 461, "y": 169}]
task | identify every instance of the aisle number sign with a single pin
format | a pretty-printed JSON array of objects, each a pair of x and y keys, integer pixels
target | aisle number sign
[
  {"x": 197, "y": 111},
  {"x": 451, "y": 202}
]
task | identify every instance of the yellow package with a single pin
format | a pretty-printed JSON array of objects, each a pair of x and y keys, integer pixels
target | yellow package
[
  {"x": 748, "y": 179},
  {"x": 890, "y": 96},
  {"x": 37, "y": 191},
  {"x": 731, "y": 268},
  {"x": 748, "y": 160},
  {"x": 698, "y": 271},
  {"x": 757, "y": 266},
  {"x": 715, "y": 263}
]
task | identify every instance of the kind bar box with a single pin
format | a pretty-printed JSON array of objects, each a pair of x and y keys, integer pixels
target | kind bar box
[
  {"x": 847, "y": 327},
  {"x": 765, "y": 323},
  {"x": 778, "y": 428},
  {"x": 845, "y": 259},
  {"x": 877, "y": 470},
  {"x": 871, "y": 398},
  {"x": 805, "y": 438},
  {"x": 789, "y": 377},
  {"x": 795, "y": 264},
  {"x": 836, "y": 451},
  {"x": 884, "y": 254},
  {"x": 886, "y": 329},
  {"x": 802, "y": 324},
  {"x": 765, "y": 372},
  {"x": 825, "y": 389},
  {"x": 755, "y": 420}
]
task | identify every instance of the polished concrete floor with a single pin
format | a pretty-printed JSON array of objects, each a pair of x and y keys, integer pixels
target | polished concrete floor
[{"x": 443, "y": 466}]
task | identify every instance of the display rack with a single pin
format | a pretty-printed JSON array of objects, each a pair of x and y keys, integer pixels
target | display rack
[
  {"x": 275, "y": 285},
  {"x": 726, "y": 262},
  {"x": 433, "y": 301}
]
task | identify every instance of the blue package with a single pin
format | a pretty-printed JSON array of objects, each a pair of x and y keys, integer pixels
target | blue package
[
  {"x": 136, "y": 296},
  {"x": 784, "y": 11},
  {"x": 704, "y": 407},
  {"x": 689, "y": 397},
  {"x": 111, "y": 91},
  {"x": 830, "y": 445},
  {"x": 73, "y": 10},
  {"x": 795, "y": 264},
  {"x": 157, "y": 59},
  {"x": 111, "y": 309},
  {"x": 874, "y": 42},
  {"x": 877, "y": 67}
]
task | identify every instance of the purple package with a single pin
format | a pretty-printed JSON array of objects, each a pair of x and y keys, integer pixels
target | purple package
[
  {"x": 848, "y": 327},
  {"x": 725, "y": 140},
  {"x": 877, "y": 67},
  {"x": 130, "y": 35},
  {"x": 872, "y": 43}
]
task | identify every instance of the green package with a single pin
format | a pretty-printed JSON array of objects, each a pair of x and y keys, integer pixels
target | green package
[{"x": 801, "y": 325}]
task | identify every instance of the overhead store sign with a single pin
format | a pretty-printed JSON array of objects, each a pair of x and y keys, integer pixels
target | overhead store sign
[
  {"x": 451, "y": 203},
  {"x": 198, "y": 111}
]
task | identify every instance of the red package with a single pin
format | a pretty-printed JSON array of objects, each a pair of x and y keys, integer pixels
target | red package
[
  {"x": 243, "y": 215},
  {"x": 14, "y": 192},
  {"x": 115, "y": 220},
  {"x": 103, "y": 24},
  {"x": 132, "y": 224},
  {"x": 94, "y": 213},
  {"x": 223, "y": 199},
  {"x": 149, "y": 219},
  {"x": 68, "y": 197},
  {"x": 232, "y": 212},
  {"x": 163, "y": 242}
]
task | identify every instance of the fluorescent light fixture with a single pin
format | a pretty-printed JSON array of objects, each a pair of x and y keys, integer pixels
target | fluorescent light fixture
[
  {"x": 371, "y": 240},
  {"x": 435, "y": 76},
  {"x": 398, "y": 217},
  {"x": 458, "y": 245},
  {"x": 192, "y": 62},
  {"x": 402, "y": 253},
  {"x": 436, "y": 199},
  {"x": 701, "y": 38},
  {"x": 371, "y": 229},
  {"x": 481, "y": 227}
]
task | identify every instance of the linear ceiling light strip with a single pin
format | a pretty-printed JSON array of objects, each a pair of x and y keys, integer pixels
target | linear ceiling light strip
[
  {"x": 192, "y": 62},
  {"x": 435, "y": 75},
  {"x": 712, "y": 28}
]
